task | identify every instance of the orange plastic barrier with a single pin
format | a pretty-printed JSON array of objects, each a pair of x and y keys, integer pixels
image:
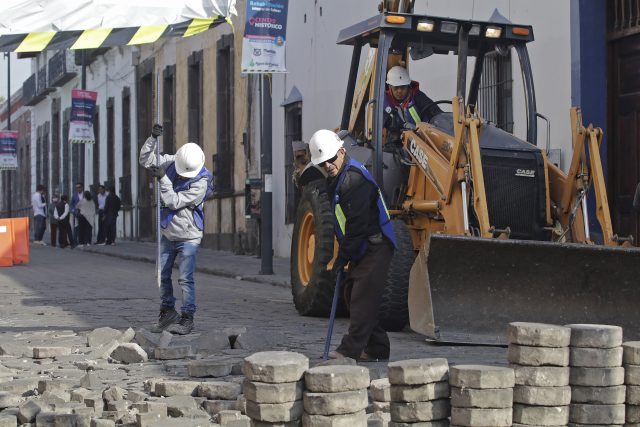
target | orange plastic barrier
[
  {"x": 20, "y": 240},
  {"x": 6, "y": 243}
]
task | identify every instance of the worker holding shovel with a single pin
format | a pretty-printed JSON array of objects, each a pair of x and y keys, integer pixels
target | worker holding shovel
[{"x": 367, "y": 241}]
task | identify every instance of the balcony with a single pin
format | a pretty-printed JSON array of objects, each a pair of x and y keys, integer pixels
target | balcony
[
  {"x": 35, "y": 88},
  {"x": 61, "y": 68}
]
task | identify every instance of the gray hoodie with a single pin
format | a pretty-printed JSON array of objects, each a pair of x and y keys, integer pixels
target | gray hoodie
[{"x": 182, "y": 227}]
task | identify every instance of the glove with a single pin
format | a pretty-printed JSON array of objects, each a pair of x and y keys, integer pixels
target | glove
[
  {"x": 156, "y": 130},
  {"x": 157, "y": 171}
]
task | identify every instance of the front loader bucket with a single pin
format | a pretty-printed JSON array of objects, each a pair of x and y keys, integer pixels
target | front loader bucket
[{"x": 477, "y": 286}]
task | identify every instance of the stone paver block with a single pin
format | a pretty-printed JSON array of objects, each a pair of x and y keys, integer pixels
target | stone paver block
[
  {"x": 213, "y": 407},
  {"x": 129, "y": 353},
  {"x": 219, "y": 390},
  {"x": 211, "y": 342},
  {"x": 418, "y": 371},
  {"x": 8, "y": 420},
  {"x": 90, "y": 381},
  {"x": 275, "y": 412},
  {"x": 103, "y": 351},
  {"x": 177, "y": 405},
  {"x": 79, "y": 394},
  {"x": 411, "y": 412},
  {"x": 54, "y": 385},
  {"x": 595, "y": 336},
  {"x": 631, "y": 353},
  {"x": 538, "y": 334},
  {"x": 476, "y": 417},
  {"x": 8, "y": 399},
  {"x": 597, "y": 377},
  {"x": 596, "y": 414},
  {"x": 632, "y": 374},
  {"x": 275, "y": 366},
  {"x": 543, "y": 396},
  {"x": 134, "y": 396},
  {"x": 209, "y": 368},
  {"x": 176, "y": 388},
  {"x": 632, "y": 395},
  {"x": 541, "y": 415},
  {"x": 435, "y": 423},
  {"x": 47, "y": 352},
  {"x": 273, "y": 393},
  {"x": 380, "y": 390},
  {"x": 114, "y": 393},
  {"x": 632, "y": 414},
  {"x": 148, "y": 419},
  {"x": 256, "y": 423},
  {"x": 336, "y": 378},
  {"x": 100, "y": 336},
  {"x": 596, "y": 357},
  {"x": 118, "y": 405},
  {"x": 30, "y": 409},
  {"x": 542, "y": 376},
  {"x": 598, "y": 395},
  {"x": 100, "y": 422},
  {"x": 384, "y": 407},
  {"x": 481, "y": 398},
  {"x": 20, "y": 386},
  {"x": 339, "y": 403},
  {"x": 347, "y": 420},
  {"x": 481, "y": 376},
  {"x": 419, "y": 393},
  {"x": 173, "y": 353},
  {"x": 538, "y": 356}
]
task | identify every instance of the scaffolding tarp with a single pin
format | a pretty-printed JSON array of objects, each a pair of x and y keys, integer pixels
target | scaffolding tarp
[{"x": 36, "y": 25}]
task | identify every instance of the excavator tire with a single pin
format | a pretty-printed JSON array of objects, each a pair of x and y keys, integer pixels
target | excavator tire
[
  {"x": 394, "y": 312},
  {"x": 312, "y": 247}
]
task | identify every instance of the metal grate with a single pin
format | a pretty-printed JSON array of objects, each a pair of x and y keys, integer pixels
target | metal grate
[
  {"x": 495, "y": 94},
  {"x": 623, "y": 18},
  {"x": 293, "y": 132}
]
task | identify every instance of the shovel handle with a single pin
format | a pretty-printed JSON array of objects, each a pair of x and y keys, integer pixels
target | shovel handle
[{"x": 332, "y": 316}]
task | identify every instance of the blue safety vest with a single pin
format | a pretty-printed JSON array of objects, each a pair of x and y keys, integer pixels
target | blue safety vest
[
  {"x": 384, "y": 220},
  {"x": 166, "y": 214}
]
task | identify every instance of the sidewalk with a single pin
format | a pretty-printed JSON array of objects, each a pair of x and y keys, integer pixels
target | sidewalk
[{"x": 219, "y": 263}]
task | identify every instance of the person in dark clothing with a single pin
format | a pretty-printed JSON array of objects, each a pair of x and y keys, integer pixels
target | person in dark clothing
[
  {"x": 61, "y": 214},
  {"x": 101, "y": 199},
  {"x": 111, "y": 208},
  {"x": 367, "y": 242},
  {"x": 405, "y": 104},
  {"x": 53, "y": 222}
]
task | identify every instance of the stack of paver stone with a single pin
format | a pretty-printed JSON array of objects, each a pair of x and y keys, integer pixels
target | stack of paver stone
[
  {"x": 380, "y": 393},
  {"x": 336, "y": 395},
  {"x": 481, "y": 395},
  {"x": 631, "y": 361},
  {"x": 419, "y": 392},
  {"x": 539, "y": 355},
  {"x": 272, "y": 387},
  {"x": 597, "y": 375}
]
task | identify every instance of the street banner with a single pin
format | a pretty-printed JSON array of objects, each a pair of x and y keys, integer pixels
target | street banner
[
  {"x": 264, "y": 41},
  {"x": 8, "y": 151},
  {"x": 83, "y": 107}
]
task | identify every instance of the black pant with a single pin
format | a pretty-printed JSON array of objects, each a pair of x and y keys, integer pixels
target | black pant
[
  {"x": 85, "y": 230},
  {"x": 110, "y": 223},
  {"x": 64, "y": 229},
  {"x": 53, "y": 226},
  {"x": 363, "y": 289},
  {"x": 101, "y": 233}
]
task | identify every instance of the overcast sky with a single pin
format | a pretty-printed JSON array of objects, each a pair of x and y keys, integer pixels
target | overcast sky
[{"x": 20, "y": 71}]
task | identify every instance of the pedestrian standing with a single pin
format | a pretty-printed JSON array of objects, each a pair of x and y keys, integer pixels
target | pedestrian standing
[
  {"x": 77, "y": 196},
  {"x": 112, "y": 206},
  {"x": 86, "y": 210},
  {"x": 62, "y": 214},
  {"x": 102, "y": 197},
  {"x": 365, "y": 235},
  {"x": 53, "y": 222},
  {"x": 184, "y": 184},
  {"x": 39, "y": 205}
]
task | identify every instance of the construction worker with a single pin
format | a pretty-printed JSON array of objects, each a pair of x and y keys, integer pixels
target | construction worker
[
  {"x": 184, "y": 184},
  {"x": 367, "y": 241},
  {"x": 404, "y": 103}
]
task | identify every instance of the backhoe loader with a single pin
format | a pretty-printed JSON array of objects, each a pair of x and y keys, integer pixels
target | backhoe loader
[{"x": 489, "y": 229}]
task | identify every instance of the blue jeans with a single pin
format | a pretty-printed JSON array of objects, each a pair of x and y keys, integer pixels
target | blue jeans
[
  {"x": 168, "y": 252},
  {"x": 40, "y": 225}
]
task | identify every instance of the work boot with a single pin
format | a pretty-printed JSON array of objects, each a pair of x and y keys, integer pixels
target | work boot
[
  {"x": 168, "y": 316},
  {"x": 184, "y": 326}
]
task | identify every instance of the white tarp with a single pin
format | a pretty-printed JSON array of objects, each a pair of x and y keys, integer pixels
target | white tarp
[{"x": 29, "y": 16}]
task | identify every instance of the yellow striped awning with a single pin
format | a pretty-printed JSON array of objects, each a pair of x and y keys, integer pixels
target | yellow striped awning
[{"x": 104, "y": 37}]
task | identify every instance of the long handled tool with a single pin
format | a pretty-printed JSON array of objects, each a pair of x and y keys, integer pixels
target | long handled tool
[
  {"x": 158, "y": 237},
  {"x": 332, "y": 317}
]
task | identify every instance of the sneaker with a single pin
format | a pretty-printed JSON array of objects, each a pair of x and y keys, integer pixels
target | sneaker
[
  {"x": 168, "y": 316},
  {"x": 100, "y": 244},
  {"x": 184, "y": 326}
]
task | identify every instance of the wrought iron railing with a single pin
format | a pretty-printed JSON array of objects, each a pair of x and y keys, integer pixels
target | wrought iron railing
[{"x": 624, "y": 18}]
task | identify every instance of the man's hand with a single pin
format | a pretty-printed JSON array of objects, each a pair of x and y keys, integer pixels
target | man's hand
[
  {"x": 156, "y": 130},
  {"x": 157, "y": 171},
  {"x": 338, "y": 265}
]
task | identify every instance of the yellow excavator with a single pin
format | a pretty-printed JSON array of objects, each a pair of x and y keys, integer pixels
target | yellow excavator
[{"x": 489, "y": 229}]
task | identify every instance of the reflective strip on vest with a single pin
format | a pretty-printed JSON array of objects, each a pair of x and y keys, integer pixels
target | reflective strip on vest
[
  {"x": 342, "y": 220},
  {"x": 414, "y": 114},
  {"x": 384, "y": 204}
]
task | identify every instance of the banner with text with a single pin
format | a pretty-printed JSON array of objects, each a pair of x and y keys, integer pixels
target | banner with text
[
  {"x": 264, "y": 41},
  {"x": 83, "y": 107},
  {"x": 8, "y": 151}
]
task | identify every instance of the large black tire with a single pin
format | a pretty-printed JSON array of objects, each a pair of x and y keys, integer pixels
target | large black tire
[
  {"x": 312, "y": 285},
  {"x": 394, "y": 310}
]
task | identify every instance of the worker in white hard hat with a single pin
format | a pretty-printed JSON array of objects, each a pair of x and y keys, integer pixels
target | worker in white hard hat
[
  {"x": 184, "y": 183},
  {"x": 367, "y": 241},
  {"x": 404, "y": 103}
]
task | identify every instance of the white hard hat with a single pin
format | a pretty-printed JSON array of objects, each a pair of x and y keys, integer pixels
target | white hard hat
[
  {"x": 398, "y": 76},
  {"x": 324, "y": 145},
  {"x": 189, "y": 160}
]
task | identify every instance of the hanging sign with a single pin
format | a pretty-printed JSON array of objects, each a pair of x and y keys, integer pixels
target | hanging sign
[
  {"x": 83, "y": 107},
  {"x": 8, "y": 152},
  {"x": 265, "y": 30}
]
